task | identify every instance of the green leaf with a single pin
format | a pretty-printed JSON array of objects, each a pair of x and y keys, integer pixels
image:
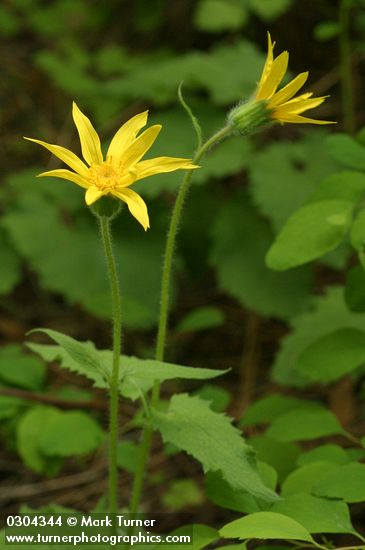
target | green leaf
[
  {"x": 218, "y": 398},
  {"x": 333, "y": 355},
  {"x": 29, "y": 430},
  {"x": 87, "y": 359},
  {"x": 10, "y": 272},
  {"x": 268, "y": 408},
  {"x": 149, "y": 369},
  {"x": 303, "y": 479},
  {"x": 9, "y": 22},
  {"x": 70, "y": 433},
  {"x": 281, "y": 456},
  {"x": 327, "y": 314},
  {"x": 326, "y": 30},
  {"x": 201, "y": 318},
  {"x": 309, "y": 233},
  {"x": 345, "y": 186},
  {"x": 346, "y": 482},
  {"x": 268, "y": 11},
  {"x": 357, "y": 233},
  {"x": 21, "y": 370},
  {"x": 136, "y": 375},
  {"x": 218, "y": 72},
  {"x": 317, "y": 515},
  {"x": 202, "y": 536},
  {"x": 360, "y": 135},
  {"x": 346, "y": 150},
  {"x": 36, "y": 226},
  {"x": 355, "y": 454},
  {"x": 231, "y": 157},
  {"x": 330, "y": 453},
  {"x": 222, "y": 494},
  {"x": 298, "y": 172},
  {"x": 243, "y": 546},
  {"x": 219, "y": 15},
  {"x": 265, "y": 525},
  {"x": 240, "y": 265},
  {"x": 355, "y": 289},
  {"x": 210, "y": 437},
  {"x": 303, "y": 424},
  {"x": 153, "y": 77},
  {"x": 127, "y": 457},
  {"x": 182, "y": 493},
  {"x": 338, "y": 258},
  {"x": 57, "y": 353},
  {"x": 10, "y": 406}
]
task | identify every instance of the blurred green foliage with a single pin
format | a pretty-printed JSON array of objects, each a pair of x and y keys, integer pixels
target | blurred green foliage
[
  {"x": 113, "y": 78},
  {"x": 292, "y": 195}
]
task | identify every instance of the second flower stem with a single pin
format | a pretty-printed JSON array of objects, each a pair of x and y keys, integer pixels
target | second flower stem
[
  {"x": 114, "y": 379},
  {"x": 345, "y": 66},
  {"x": 164, "y": 310}
]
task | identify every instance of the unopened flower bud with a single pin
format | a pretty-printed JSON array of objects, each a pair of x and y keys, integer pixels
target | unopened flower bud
[{"x": 248, "y": 117}]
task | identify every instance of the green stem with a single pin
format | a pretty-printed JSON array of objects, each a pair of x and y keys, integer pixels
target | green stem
[
  {"x": 164, "y": 310},
  {"x": 114, "y": 379},
  {"x": 345, "y": 66},
  {"x": 171, "y": 239}
]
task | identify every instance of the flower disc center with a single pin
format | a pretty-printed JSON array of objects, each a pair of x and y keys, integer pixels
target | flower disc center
[{"x": 105, "y": 176}]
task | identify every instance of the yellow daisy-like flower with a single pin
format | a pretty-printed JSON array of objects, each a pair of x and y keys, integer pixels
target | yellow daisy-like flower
[
  {"x": 122, "y": 166},
  {"x": 283, "y": 105},
  {"x": 269, "y": 105}
]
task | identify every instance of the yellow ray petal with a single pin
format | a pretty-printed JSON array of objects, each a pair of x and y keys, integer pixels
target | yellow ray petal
[
  {"x": 89, "y": 139},
  {"x": 297, "y": 107},
  {"x": 140, "y": 146},
  {"x": 289, "y": 90},
  {"x": 277, "y": 72},
  {"x": 299, "y": 99},
  {"x": 66, "y": 175},
  {"x": 68, "y": 157},
  {"x": 307, "y": 95},
  {"x": 136, "y": 205},
  {"x": 125, "y": 136},
  {"x": 92, "y": 195},
  {"x": 268, "y": 63},
  {"x": 302, "y": 120},
  {"x": 127, "y": 180},
  {"x": 160, "y": 165}
]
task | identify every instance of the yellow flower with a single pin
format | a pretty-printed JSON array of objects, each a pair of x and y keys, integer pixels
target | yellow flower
[
  {"x": 283, "y": 105},
  {"x": 122, "y": 166}
]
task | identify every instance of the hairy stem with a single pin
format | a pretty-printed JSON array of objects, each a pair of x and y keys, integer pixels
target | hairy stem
[
  {"x": 164, "y": 309},
  {"x": 114, "y": 379}
]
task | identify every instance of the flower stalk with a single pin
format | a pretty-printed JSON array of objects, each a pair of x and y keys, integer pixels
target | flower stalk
[
  {"x": 105, "y": 223},
  {"x": 164, "y": 310}
]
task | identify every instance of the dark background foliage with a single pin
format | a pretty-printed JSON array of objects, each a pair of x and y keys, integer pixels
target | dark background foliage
[{"x": 115, "y": 59}]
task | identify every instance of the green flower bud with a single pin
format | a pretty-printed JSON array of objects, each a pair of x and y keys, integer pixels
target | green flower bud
[{"x": 247, "y": 117}]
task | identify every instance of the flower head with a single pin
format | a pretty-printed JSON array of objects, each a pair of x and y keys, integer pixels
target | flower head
[
  {"x": 283, "y": 105},
  {"x": 268, "y": 104},
  {"x": 122, "y": 165}
]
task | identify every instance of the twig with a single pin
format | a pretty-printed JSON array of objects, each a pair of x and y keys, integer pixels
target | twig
[
  {"x": 249, "y": 362},
  {"x": 53, "y": 400},
  {"x": 51, "y": 485}
]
